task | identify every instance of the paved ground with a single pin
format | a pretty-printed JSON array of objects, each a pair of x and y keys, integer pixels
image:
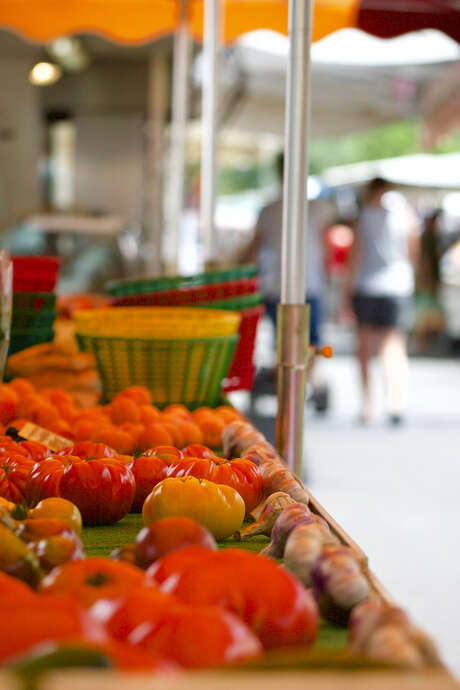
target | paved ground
[{"x": 396, "y": 491}]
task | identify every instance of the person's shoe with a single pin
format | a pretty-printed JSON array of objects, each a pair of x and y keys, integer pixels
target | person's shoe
[
  {"x": 321, "y": 398},
  {"x": 396, "y": 419}
]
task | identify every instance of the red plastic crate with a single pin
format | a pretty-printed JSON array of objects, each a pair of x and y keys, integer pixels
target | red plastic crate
[
  {"x": 242, "y": 370},
  {"x": 35, "y": 273},
  {"x": 192, "y": 295}
]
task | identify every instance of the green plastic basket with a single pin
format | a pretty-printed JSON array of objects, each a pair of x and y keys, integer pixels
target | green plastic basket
[
  {"x": 138, "y": 286},
  {"x": 235, "y": 303},
  {"x": 27, "y": 337},
  {"x": 34, "y": 300},
  {"x": 188, "y": 371},
  {"x": 32, "y": 318}
]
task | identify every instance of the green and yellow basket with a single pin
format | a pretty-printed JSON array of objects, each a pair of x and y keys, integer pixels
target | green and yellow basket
[{"x": 181, "y": 355}]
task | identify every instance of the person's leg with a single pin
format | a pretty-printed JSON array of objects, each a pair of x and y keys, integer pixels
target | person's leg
[
  {"x": 271, "y": 307},
  {"x": 366, "y": 338},
  {"x": 315, "y": 316},
  {"x": 396, "y": 365}
]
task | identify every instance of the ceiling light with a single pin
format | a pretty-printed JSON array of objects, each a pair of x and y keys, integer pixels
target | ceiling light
[{"x": 45, "y": 74}]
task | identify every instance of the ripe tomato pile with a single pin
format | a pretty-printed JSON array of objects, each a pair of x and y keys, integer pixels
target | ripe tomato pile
[
  {"x": 130, "y": 423},
  {"x": 179, "y": 603},
  {"x": 105, "y": 485}
]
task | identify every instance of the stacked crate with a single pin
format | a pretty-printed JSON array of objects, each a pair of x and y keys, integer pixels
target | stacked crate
[{"x": 34, "y": 301}]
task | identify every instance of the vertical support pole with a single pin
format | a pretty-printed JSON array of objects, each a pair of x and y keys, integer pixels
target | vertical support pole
[
  {"x": 293, "y": 322},
  {"x": 156, "y": 113},
  {"x": 210, "y": 96},
  {"x": 181, "y": 59}
]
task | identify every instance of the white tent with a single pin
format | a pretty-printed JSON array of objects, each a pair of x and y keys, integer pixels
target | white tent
[{"x": 437, "y": 171}]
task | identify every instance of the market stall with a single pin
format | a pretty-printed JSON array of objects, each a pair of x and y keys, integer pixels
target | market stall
[{"x": 206, "y": 599}]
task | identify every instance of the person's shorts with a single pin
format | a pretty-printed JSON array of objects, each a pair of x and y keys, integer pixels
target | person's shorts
[
  {"x": 383, "y": 312},
  {"x": 315, "y": 316}
]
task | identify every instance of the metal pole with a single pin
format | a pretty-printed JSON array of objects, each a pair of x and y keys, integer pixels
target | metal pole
[
  {"x": 293, "y": 322},
  {"x": 156, "y": 107},
  {"x": 181, "y": 52},
  {"x": 210, "y": 95}
]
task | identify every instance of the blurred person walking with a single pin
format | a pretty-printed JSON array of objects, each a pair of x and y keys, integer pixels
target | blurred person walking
[
  {"x": 265, "y": 250},
  {"x": 380, "y": 287}
]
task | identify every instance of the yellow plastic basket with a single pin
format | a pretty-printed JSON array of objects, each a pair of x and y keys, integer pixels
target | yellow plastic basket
[
  {"x": 156, "y": 322},
  {"x": 180, "y": 355}
]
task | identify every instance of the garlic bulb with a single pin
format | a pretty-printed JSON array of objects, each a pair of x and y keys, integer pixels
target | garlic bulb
[
  {"x": 291, "y": 517},
  {"x": 303, "y": 547},
  {"x": 338, "y": 583}
]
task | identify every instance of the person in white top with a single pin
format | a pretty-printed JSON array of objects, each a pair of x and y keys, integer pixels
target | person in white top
[
  {"x": 380, "y": 286},
  {"x": 266, "y": 250}
]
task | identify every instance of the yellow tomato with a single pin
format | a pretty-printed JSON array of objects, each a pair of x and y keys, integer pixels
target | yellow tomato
[
  {"x": 60, "y": 509},
  {"x": 7, "y": 504},
  {"x": 216, "y": 506}
]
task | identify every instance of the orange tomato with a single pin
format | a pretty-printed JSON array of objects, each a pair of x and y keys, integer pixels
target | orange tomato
[
  {"x": 84, "y": 428},
  {"x": 178, "y": 411},
  {"x": 171, "y": 426},
  {"x": 113, "y": 437},
  {"x": 57, "y": 397},
  {"x": 228, "y": 414},
  {"x": 191, "y": 432},
  {"x": 51, "y": 618},
  {"x": 22, "y": 387},
  {"x": 8, "y": 407},
  {"x": 211, "y": 424},
  {"x": 124, "y": 409},
  {"x": 154, "y": 435},
  {"x": 60, "y": 508},
  {"x": 149, "y": 414},
  {"x": 140, "y": 394},
  {"x": 93, "y": 578}
]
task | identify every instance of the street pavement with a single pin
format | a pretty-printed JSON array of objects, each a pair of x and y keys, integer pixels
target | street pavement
[{"x": 395, "y": 490}]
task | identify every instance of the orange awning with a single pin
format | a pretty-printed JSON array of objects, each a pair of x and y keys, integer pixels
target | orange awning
[
  {"x": 139, "y": 21},
  {"x": 122, "y": 21},
  {"x": 242, "y": 16}
]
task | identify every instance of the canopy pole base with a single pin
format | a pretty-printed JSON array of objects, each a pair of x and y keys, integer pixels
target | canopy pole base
[{"x": 293, "y": 342}]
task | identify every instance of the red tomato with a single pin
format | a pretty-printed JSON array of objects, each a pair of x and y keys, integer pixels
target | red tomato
[
  {"x": 125, "y": 657},
  {"x": 29, "y": 449},
  {"x": 147, "y": 471},
  {"x": 7, "y": 445},
  {"x": 89, "y": 449},
  {"x": 270, "y": 600},
  {"x": 45, "y": 478},
  {"x": 12, "y": 589},
  {"x": 102, "y": 488},
  {"x": 14, "y": 471},
  {"x": 169, "y": 534},
  {"x": 242, "y": 475},
  {"x": 45, "y": 618},
  {"x": 35, "y": 450},
  {"x": 176, "y": 563},
  {"x": 198, "y": 637},
  {"x": 168, "y": 454},
  {"x": 197, "y": 451},
  {"x": 120, "y": 615}
]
